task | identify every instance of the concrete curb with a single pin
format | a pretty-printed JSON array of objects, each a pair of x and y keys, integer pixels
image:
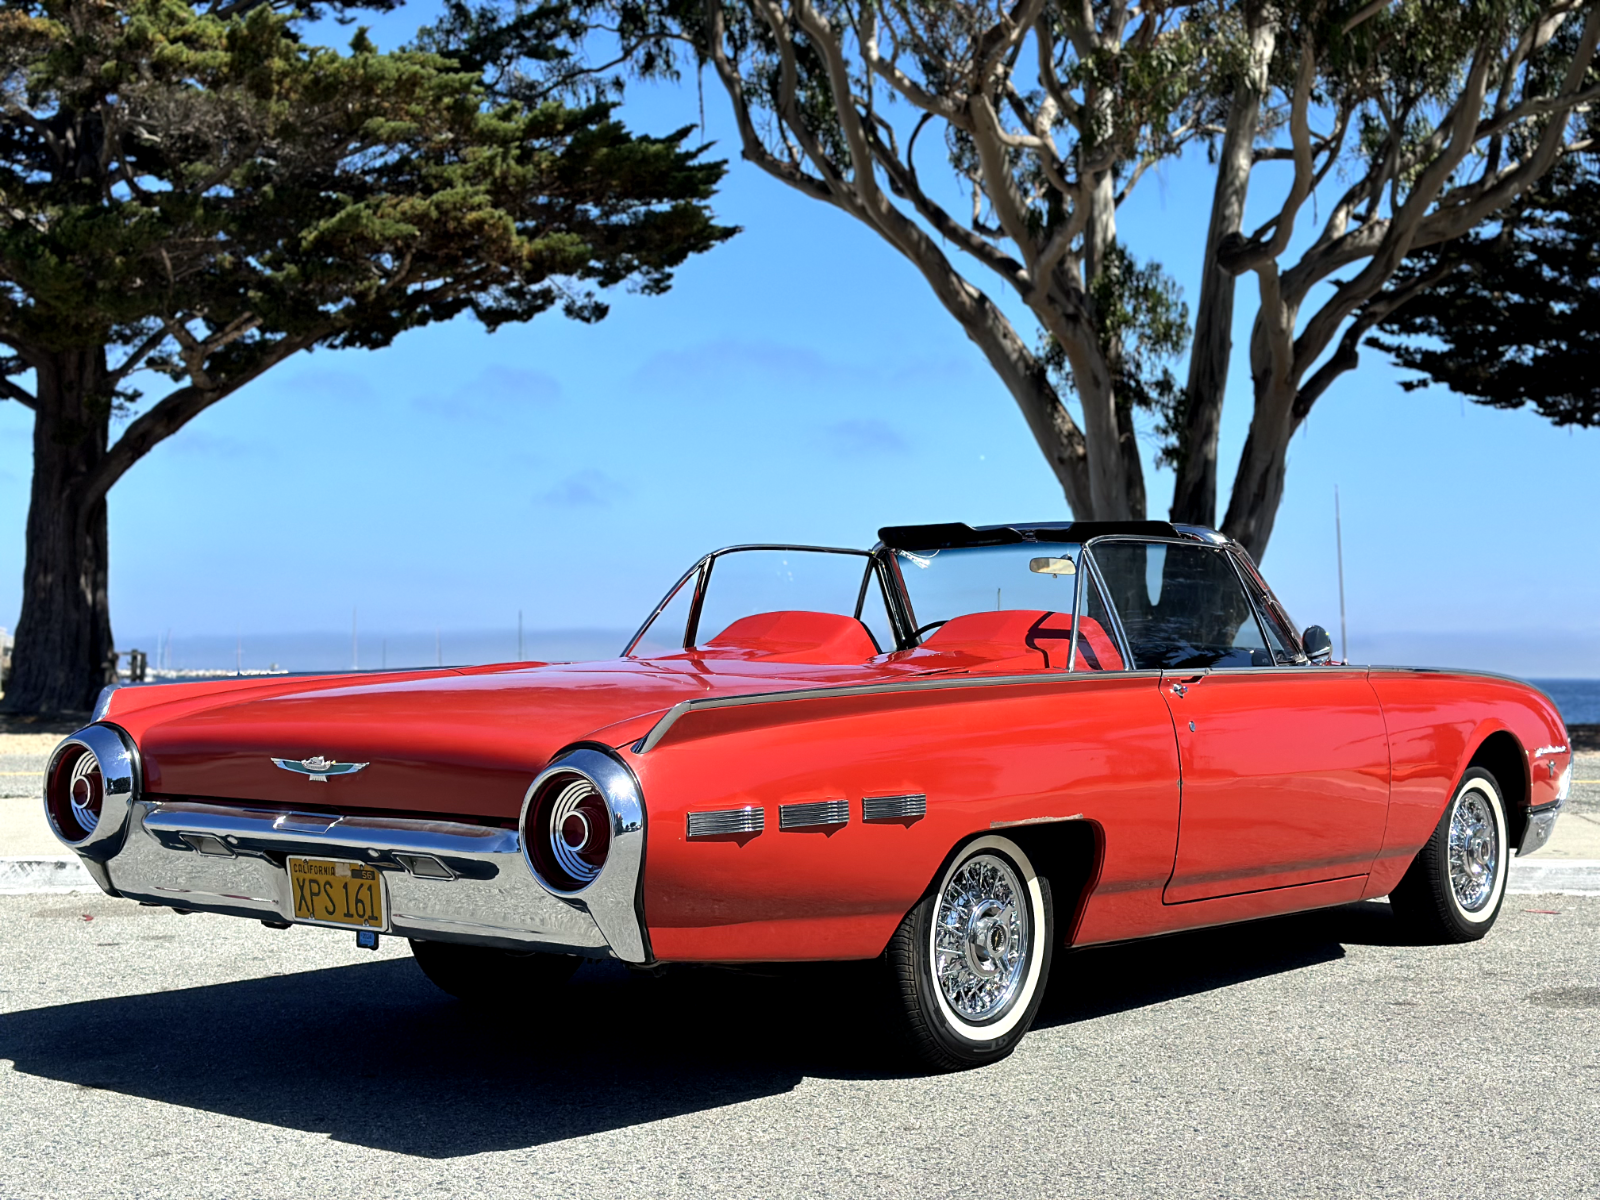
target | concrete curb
[
  {"x": 1554, "y": 877},
  {"x": 1533, "y": 877},
  {"x": 52, "y": 873}
]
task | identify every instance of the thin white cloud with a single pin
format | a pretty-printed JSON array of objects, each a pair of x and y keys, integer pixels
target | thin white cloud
[
  {"x": 493, "y": 395},
  {"x": 588, "y": 488},
  {"x": 865, "y": 438}
]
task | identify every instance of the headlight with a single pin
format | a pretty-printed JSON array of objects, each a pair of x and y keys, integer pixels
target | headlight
[
  {"x": 567, "y": 831},
  {"x": 88, "y": 787}
]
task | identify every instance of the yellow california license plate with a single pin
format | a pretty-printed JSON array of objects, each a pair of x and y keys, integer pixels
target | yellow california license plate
[{"x": 329, "y": 892}]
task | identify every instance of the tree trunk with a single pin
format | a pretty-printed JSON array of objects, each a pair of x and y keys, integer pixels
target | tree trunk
[
  {"x": 1263, "y": 464},
  {"x": 1194, "y": 494},
  {"x": 1116, "y": 477},
  {"x": 1132, "y": 467},
  {"x": 1024, "y": 376},
  {"x": 64, "y": 653}
]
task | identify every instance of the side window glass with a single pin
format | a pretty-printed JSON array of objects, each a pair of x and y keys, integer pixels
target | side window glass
[
  {"x": 1181, "y": 606},
  {"x": 1097, "y": 645},
  {"x": 874, "y": 612},
  {"x": 1281, "y": 636},
  {"x": 664, "y": 635}
]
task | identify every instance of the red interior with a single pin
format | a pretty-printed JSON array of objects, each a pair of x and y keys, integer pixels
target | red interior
[
  {"x": 794, "y": 636},
  {"x": 1015, "y": 639}
]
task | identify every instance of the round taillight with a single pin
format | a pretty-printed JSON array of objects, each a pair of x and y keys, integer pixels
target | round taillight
[
  {"x": 567, "y": 831},
  {"x": 75, "y": 793}
]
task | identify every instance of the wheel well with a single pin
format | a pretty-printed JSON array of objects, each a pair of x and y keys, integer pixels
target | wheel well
[
  {"x": 1067, "y": 853},
  {"x": 1503, "y": 758}
]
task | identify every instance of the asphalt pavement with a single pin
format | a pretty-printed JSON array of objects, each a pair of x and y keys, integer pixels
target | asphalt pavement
[{"x": 148, "y": 1054}]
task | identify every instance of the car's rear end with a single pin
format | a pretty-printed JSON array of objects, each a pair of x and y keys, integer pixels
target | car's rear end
[{"x": 390, "y": 805}]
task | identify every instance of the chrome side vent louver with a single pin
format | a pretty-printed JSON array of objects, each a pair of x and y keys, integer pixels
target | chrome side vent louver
[
  {"x": 817, "y": 814},
  {"x": 894, "y": 808},
  {"x": 727, "y": 820}
]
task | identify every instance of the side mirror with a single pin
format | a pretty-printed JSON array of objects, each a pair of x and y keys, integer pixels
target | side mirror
[{"x": 1317, "y": 644}]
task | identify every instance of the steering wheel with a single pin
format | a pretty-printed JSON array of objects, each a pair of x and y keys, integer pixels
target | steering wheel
[{"x": 931, "y": 625}]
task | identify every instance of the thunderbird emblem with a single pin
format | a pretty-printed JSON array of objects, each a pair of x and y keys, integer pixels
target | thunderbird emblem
[{"x": 316, "y": 768}]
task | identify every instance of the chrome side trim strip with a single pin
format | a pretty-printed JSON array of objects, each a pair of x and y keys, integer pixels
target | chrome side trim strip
[
  {"x": 724, "y": 821},
  {"x": 894, "y": 808},
  {"x": 816, "y": 814},
  {"x": 681, "y": 709}
]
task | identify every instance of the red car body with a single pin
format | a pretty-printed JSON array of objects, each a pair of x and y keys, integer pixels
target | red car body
[{"x": 1169, "y": 798}]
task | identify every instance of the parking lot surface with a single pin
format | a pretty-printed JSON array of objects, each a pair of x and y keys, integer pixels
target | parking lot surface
[{"x": 147, "y": 1054}]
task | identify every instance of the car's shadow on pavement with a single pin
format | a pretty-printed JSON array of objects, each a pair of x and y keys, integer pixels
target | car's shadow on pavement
[{"x": 373, "y": 1055}]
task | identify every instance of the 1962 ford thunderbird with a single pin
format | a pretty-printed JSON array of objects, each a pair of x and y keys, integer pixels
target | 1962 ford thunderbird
[{"x": 957, "y": 753}]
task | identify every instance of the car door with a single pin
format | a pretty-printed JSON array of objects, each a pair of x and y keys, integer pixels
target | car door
[{"x": 1285, "y": 765}]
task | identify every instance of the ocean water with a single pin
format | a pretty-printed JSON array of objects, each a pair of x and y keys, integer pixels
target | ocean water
[
  {"x": 372, "y": 649},
  {"x": 1578, "y": 699}
]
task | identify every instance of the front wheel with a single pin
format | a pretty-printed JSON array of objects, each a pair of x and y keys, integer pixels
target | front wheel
[
  {"x": 1453, "y": 890},
  {"x": 484, "y": 975},
  {"x": 970, "y": 961}
]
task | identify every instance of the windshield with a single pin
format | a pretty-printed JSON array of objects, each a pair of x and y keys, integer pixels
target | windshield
[
  {"x": 749, "y": 580},
  {"x": 951, "y": 583}
]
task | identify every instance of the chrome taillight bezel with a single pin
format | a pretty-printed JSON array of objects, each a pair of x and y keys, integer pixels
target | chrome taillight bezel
[
  {"x": 613, "y": 897},
  {"x": 620, "y": 807},
  {"x": 118, "y": 759},
  {"x": 566, "y": 831}
]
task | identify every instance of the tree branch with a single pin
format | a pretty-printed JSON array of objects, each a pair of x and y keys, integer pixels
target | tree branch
[
  {"x": 175, "y": 410},
  {"x": 22, "y": 396},
  {"x": 754, "y": 150}
]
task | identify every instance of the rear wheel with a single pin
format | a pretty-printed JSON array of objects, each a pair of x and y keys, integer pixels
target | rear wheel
[
  {"x": 969, "y": 962},
  {"x": 1453, "y": 891},
  {"x": 484, "y": 975}
]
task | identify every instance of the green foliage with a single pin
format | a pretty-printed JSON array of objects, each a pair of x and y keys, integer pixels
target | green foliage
[
  {"x": 1142, "y": 323},
  {"x": 197, "y": 188},
  {"x": 1516, "y": 321}
]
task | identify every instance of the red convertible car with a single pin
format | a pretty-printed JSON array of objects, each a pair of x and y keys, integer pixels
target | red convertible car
[{"x": 959, "y": 753}]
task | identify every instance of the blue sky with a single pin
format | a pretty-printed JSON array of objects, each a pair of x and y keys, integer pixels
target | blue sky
[{"x": 799, "y": 383}]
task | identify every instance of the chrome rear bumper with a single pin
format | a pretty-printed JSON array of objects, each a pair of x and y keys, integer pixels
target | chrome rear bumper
[{"x": 446, "y": 880}]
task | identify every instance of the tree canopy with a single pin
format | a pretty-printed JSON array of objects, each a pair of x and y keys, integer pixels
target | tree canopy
[
  {"x": 191, "y": 193},
  {"x": 991, "y": 144},
  {"x": 1511, "y": 316}
]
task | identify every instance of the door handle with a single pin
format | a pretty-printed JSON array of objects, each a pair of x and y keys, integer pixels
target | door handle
[{"x": 1180, "y": 690}]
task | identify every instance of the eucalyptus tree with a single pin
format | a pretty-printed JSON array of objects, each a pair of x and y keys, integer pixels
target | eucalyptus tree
[
  {"x": 991, "y": 144},
  {"x": 192, "y": 193}
]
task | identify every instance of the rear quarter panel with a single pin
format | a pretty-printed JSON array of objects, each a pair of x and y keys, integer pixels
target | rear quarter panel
[
  {"x": 1099, "y": 749},
  {"x": 1437, "y": 721}
]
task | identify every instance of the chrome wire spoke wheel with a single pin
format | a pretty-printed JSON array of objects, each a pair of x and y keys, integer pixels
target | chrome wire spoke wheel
[
  {"x": 981, "y": 935},
  {"x": 1453, "y": 890},
  {"x": 1474, "y": 844},
  {"x": 969, "y": 961}
]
